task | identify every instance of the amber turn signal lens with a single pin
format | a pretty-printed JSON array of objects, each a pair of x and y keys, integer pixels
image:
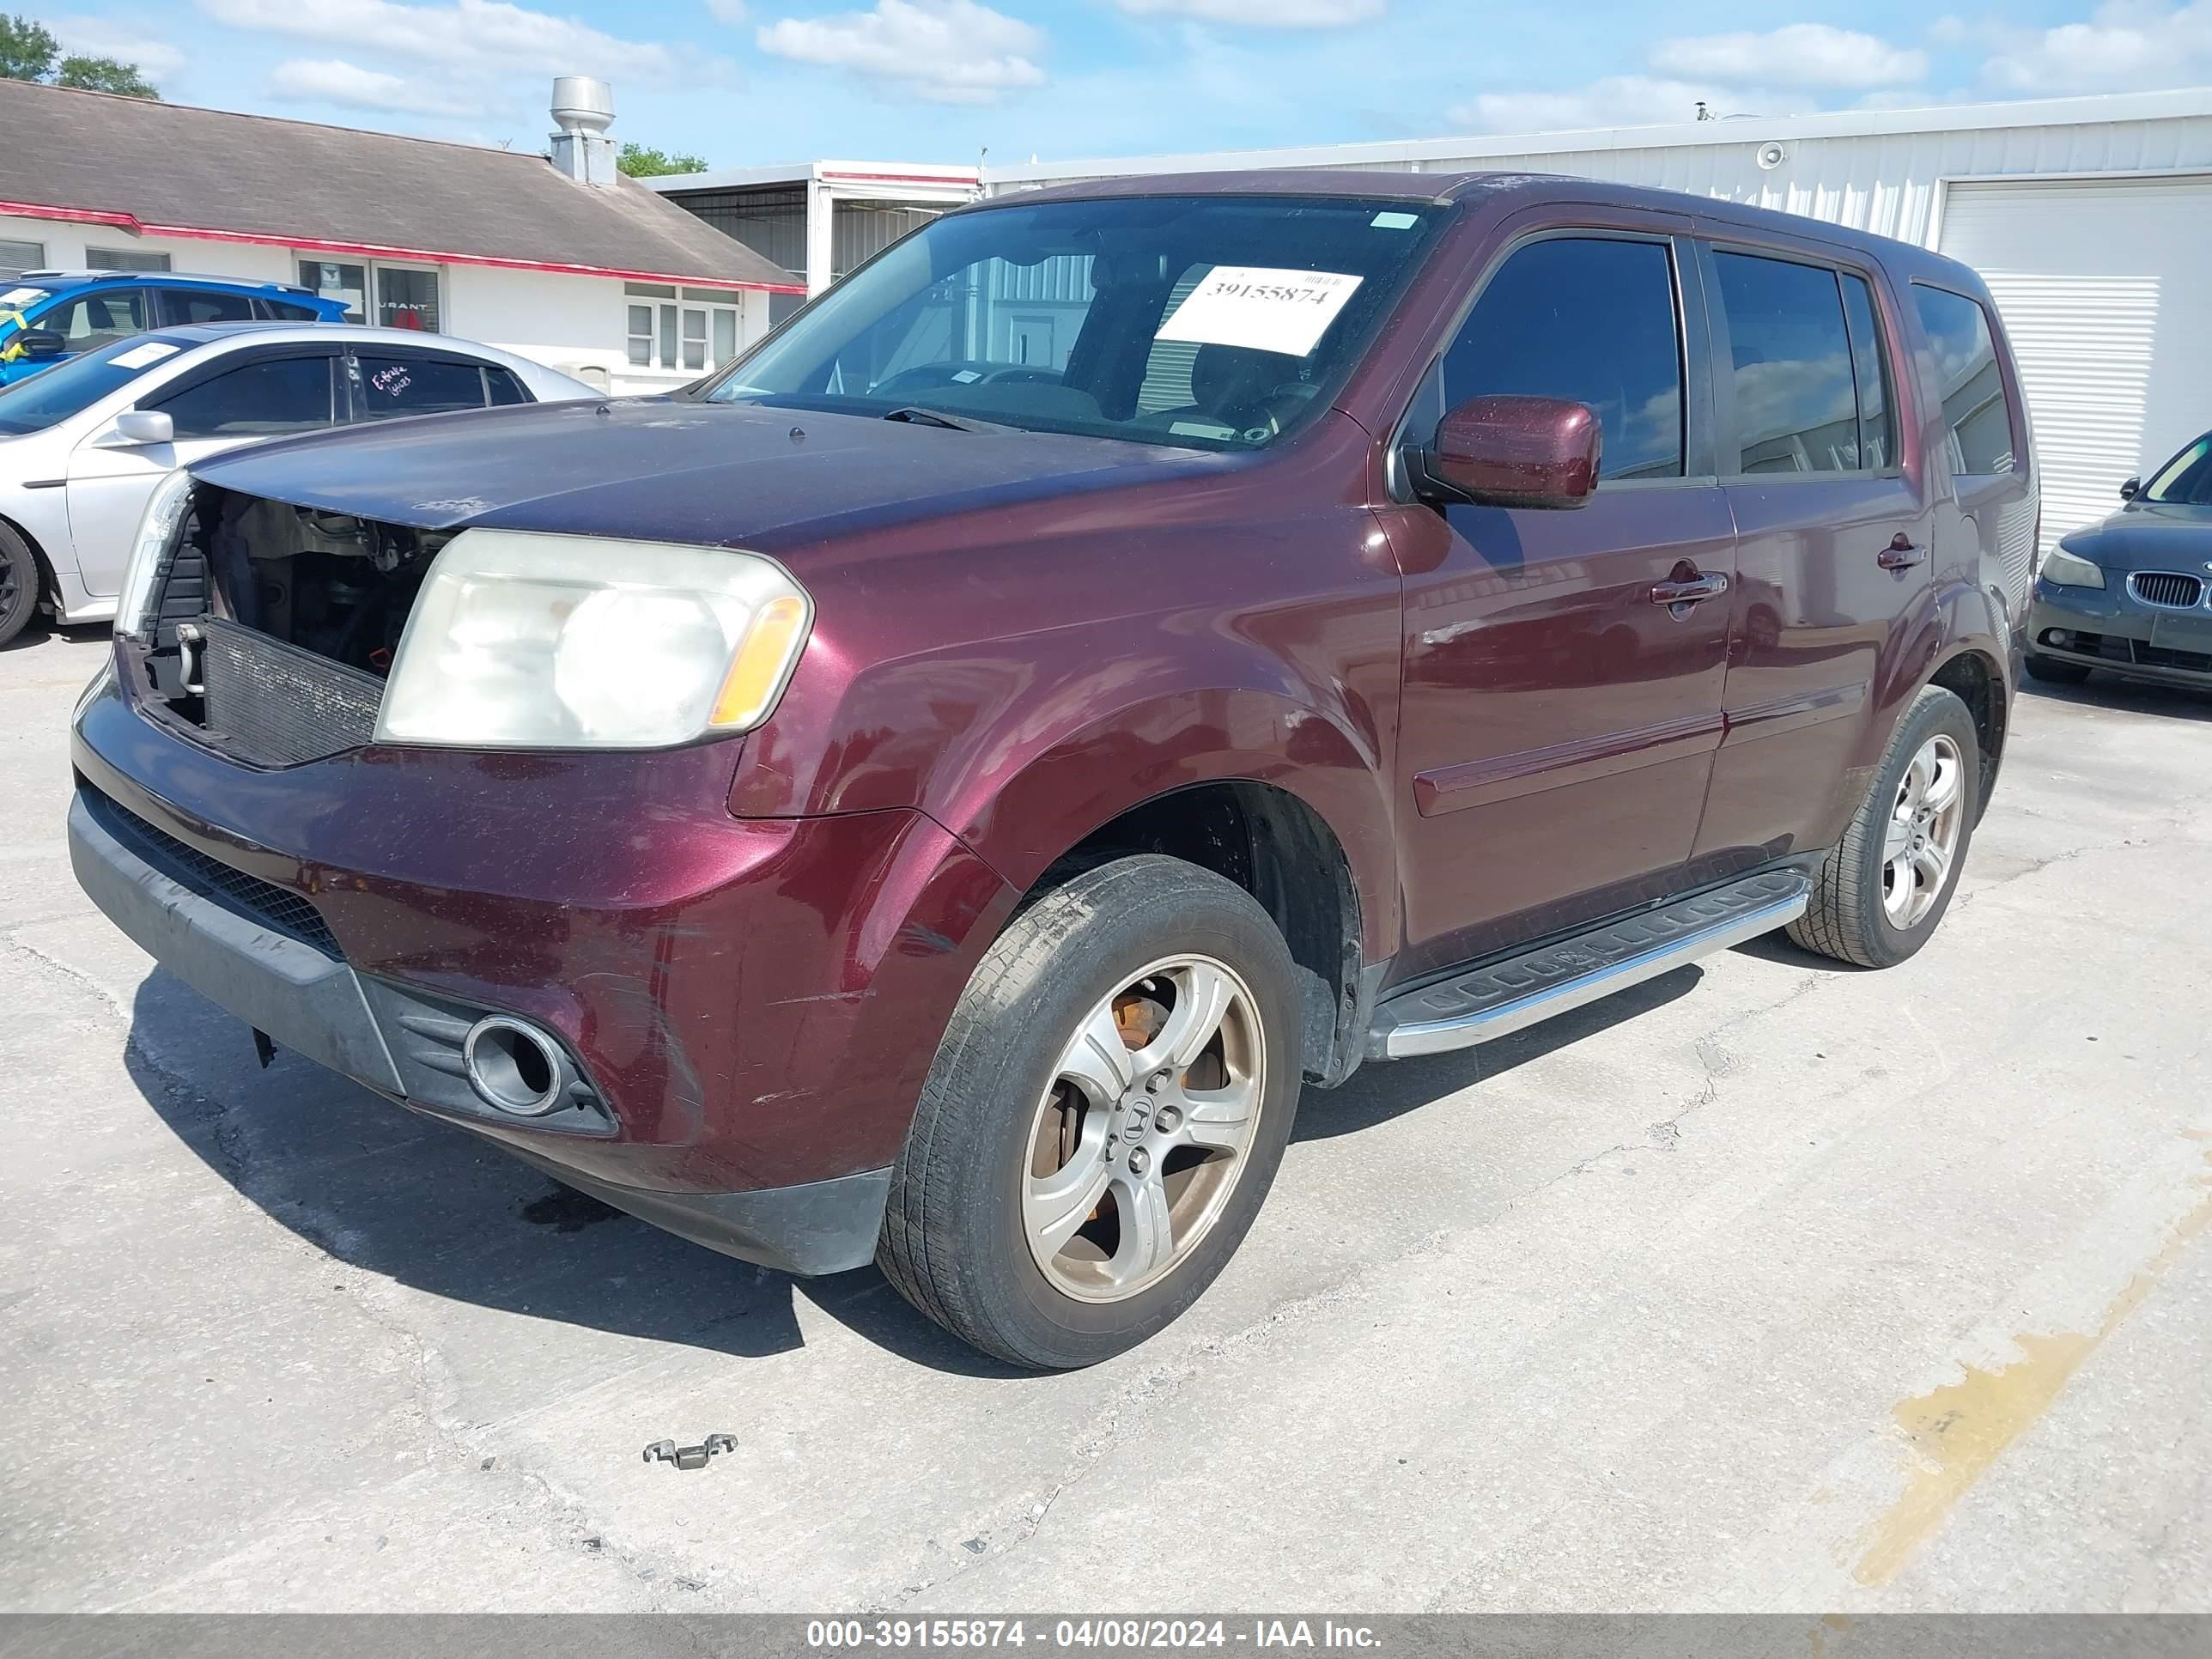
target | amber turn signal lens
[{"x": 763, "y": 660}]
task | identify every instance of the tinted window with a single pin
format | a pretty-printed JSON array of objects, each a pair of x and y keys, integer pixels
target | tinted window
[
  {"x": 191, "y": 305},
  {"x": 1795, "y": 404},
  {"x": 1974, "y": 407},
  {"x": 97, "y": 319},
  {"x": 1870, "y": 368},
  {"x": 288, "y": 313},
  {"x": 505, "y": 388},
  {"x": 257, "y": 400},
  {"x": 2187, "y": 480},
  {"x": 35, "y": 403},
  {"x": 1589, "y": 319},
  {"x": 418, "y": 386}
]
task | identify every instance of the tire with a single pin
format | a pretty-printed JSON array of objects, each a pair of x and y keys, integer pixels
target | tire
[
  {"x": 19, "y": 583},
  {"x": 1016, "y": 1103},
  {"x": 1854, "y": 916},
  {"x": 2051, "y": 671}
]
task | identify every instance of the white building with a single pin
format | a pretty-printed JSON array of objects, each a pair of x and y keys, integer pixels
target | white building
[
  {"x": 2091, "y": 218},
  {"x": 560, "y": 259}
]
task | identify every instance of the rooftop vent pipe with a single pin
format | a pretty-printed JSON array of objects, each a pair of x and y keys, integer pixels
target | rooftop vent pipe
[{"x": 584, "y": 108}]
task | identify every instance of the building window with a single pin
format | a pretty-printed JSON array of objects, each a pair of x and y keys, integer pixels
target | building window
[
  {"x": 689, "y": 331},
  {"x": 114, "y": 258},
  {"x": 16, "y": 258},
  {"x": 406, "y": 295}
]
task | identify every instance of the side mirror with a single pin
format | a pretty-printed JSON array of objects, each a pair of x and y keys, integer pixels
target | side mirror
[
  {"x": 41, "y": 342},
  {"x": 145, "y": 426},
  {"x": 1516, "y": 452},
  {"x": 2130, "y": 489}
]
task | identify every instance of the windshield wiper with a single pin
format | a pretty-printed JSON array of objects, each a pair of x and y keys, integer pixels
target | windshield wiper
[{"x": 916, "y": 414}]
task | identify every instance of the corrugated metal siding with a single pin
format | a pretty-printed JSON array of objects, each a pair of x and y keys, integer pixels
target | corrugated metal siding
[
  {"x": 2104, "y": 293},
  {"x": 1883, "y": 182}
]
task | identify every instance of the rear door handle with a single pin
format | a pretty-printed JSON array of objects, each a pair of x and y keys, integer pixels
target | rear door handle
[
  {"x": 1900, "y": 554},
  {"x": 1690, "y": 591}
]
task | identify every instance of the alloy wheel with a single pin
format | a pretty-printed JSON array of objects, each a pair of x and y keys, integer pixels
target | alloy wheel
[
  {"x": 1921, "y": 841},
  {"x": 1143, "y": 1130}
]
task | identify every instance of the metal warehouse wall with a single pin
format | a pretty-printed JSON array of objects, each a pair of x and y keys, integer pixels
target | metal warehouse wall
[{"x": 1884, "y": 181}]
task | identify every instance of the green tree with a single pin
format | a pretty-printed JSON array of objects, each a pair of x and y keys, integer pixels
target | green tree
[
  {"x": 28, "y": 51},
  {"x": 640, "y": 163}
]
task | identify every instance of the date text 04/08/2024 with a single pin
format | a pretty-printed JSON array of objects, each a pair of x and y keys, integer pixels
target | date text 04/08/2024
[{"x": 1087, "y": 1633}]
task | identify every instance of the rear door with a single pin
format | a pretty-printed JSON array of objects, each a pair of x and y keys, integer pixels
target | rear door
[
  {"x": 214, "y": 407},
  {"x": 1559, "y": 716},
  {"x": 1834, "y": 527}
]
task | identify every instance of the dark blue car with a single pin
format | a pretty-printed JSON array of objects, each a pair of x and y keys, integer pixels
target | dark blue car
[{"x": 48, "y": 315}]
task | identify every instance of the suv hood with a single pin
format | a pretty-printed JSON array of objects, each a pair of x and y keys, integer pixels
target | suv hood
[
  {"x": 655, "y": 468},
  {"x": 2150, "y": 537}
]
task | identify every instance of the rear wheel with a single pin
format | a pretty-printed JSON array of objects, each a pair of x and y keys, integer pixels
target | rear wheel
[
  {"x": 2051, "y": 671},
  {"x": 1105, "y": 1114},
  {"x": 1880, "y": 891},
  {"x": 19, "y": 583}
]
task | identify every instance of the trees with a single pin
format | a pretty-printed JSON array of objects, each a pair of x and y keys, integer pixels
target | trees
[
  {"x": 28, "y": 51},
  {"x": 640, "y": 163}
]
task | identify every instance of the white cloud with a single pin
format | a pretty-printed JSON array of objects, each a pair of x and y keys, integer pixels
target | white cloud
[
  {"x": 105, "y": 37},
  {"x": 1798, "y": 55},
  {"x": 491, "y": 34},
  {"x": 1617, "y": 100},
  {"x": 334, "y": 81},
  {"x": 2125, "y": 44},
  {"x": 949, "y": 51},
  {"x": 1263, "y": 14},
  {"x": 728, "y": 11}
]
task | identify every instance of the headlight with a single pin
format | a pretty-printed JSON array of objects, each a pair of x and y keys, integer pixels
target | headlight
[
  {"x": 2064, "y": 569},
  {"x": 530, "y": 641},
  {"x": 156, "y": 526}
]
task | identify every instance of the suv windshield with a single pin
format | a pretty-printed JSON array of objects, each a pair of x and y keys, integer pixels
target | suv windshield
[
  {"x": 15, "y": 301},
  {"x": 2187, "y": 480},
  {"x": 1201, "y": 321},
  {"x": 77, "y": 383}
]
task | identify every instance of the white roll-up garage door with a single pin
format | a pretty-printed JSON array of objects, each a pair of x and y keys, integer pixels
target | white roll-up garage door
[{"x": 2106, "y": 291}]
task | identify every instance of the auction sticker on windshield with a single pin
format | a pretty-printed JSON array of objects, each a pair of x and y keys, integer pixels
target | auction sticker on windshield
[{"x": 1258, "y": 306}]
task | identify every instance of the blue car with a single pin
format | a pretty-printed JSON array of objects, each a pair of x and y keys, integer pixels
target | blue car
[{"x": 48, "y": 315}]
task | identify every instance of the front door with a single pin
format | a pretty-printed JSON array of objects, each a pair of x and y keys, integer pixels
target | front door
[
  {"x": 1834, "y": 539},
  {"x": 212, "y": 408},
  {"x": 1562, "y": 702}
]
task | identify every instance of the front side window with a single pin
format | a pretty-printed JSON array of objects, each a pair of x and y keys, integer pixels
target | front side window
[
  {"x": 392, "y": 387},
  {"x": 1591, "y": 320},
  {"x": 1974, "y": 406},
  {"x": 2186, "y": 480},
  {"x": 255, "y": 400},
  {"x": 93, "y": 321},
  {"x": 1796, "y": 401},
  {"x": 1207, "y": 321}
]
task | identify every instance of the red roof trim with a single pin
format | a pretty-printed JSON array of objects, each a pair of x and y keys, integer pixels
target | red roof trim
[{"x": 376, "y": 250}]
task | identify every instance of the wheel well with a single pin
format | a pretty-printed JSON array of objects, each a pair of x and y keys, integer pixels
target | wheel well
[
  {"x": 48, "y": 589},
  {"x": 1283, "y": 853},
  {"x": 1974, "y": 680}
]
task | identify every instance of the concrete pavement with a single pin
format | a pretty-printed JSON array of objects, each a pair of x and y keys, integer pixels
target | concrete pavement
[{"x": 1770, "y": 1285}]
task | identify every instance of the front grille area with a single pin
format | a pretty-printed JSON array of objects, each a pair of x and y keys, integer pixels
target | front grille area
[
  {"x": 2168, "y": 587},
  {"x": 286, "y": 913},
  {"x": 273, "y": 704},
  {"x": 2122, "y": 652}
]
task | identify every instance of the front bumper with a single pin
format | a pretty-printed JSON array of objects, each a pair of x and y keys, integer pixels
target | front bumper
[
  {"x": 749, "y": 1008},
  {"x": 2109, "y": 629}
]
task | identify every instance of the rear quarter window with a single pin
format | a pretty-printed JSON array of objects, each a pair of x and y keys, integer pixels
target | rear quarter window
[{"x": 1977, "y": 412}]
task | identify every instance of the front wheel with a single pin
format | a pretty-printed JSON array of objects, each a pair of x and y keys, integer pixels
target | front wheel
[
  {"x": 19, "y": 583},
  {"x": 1105, "y": 1114}
]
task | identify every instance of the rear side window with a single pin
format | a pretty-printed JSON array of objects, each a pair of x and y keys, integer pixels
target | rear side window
[
  {"x": 284, "y": 312},
  {"x": 505, "y": 388},
  {"x": 192, "y": 305},
  {"x": 392, "y": 387},
  {"x": 1797, "y": 399},
  {"x": 1974, "y": 406},
  {"x": 1589, "y": 319},
  {"x": 256, "y": 400}
]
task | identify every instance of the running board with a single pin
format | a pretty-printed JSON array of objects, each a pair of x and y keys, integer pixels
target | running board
[{"x": 1518, "y": 991}]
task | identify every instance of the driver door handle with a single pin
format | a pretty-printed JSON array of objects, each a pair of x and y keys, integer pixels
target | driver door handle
[
  {"x": 1697, "y": 588},
  {"x": 1900, "y": 554}
]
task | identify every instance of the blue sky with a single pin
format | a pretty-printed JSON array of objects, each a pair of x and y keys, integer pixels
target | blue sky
[{"x": 745, "y": 82}]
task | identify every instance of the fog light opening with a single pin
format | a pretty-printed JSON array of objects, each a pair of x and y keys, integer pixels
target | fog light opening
[{"x": 512, "y": 1067}]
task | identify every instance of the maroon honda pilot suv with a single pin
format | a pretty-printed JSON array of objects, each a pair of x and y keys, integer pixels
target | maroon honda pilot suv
[{"x": 937, "y": 791}]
